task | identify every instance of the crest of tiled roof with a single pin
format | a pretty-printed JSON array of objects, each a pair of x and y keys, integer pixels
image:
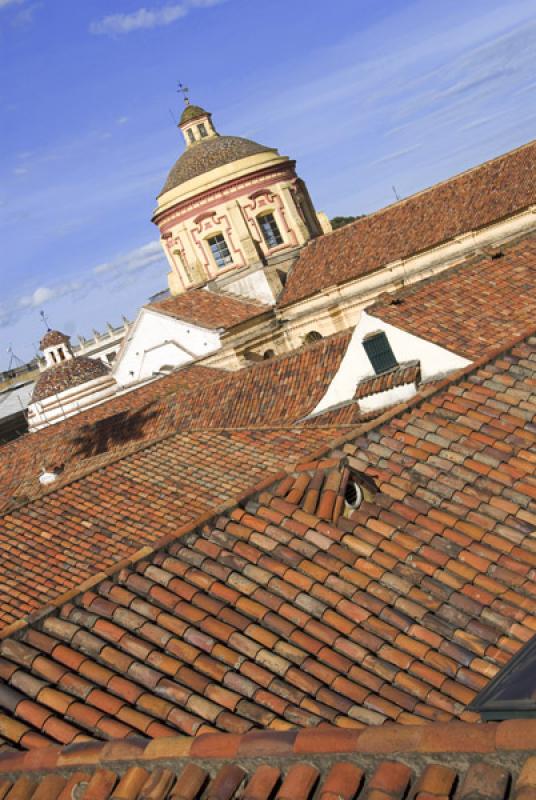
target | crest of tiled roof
[
  {"x": 279, "y": 391},
  {"x": 275, "y": 616},
  {"x": 208, "y": 309},
  {"x": 474, "y": 306},
  {"x": 68, "y": 375},
  {"x": 436, "y": 762},
  {"x": 469, "y": 201}
]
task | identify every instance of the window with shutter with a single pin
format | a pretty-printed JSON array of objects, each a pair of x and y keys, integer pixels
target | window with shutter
[{"x": 379, "y": 352}]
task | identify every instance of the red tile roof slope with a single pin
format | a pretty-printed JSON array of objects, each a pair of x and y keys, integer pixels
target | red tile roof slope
[
  {"x": 490, "y": 762},
  {"x": 91, "y": 523},
  {"x": 132, "y": 413},
  {"x": 286, "y": 612},
  {"x": 469, "y": 201},
  {"x": 209, "y": 309},
  {"x": 281, "y": 390},
  {"x": 470, "y": 308}
]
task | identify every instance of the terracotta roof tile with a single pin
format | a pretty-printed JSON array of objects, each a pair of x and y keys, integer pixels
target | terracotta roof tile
[
  {"x": 209, "y": 309},
  {"x": 326, "y": 763},
  {"x": 472, "y": 200},
  {"x": 453, "y": 309},
  {"x": 281, "y": 390}
]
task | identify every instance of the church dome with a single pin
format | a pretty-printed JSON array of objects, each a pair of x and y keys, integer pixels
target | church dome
[
  {"x": 192, "y": 112},
  {"x": 67, "y": 375},
  {"x": 209, "y": 154},
  {"x": 52, "y": 338}
]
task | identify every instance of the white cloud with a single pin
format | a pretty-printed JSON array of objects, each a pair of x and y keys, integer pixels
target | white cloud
[
  {"x": 44, "y": 294},
  {"x": 133, "y": 261},
  {"x": 122, "y": 120},
  {"x": 6, "y": 3},
  {"x": 143, "y": 18}
]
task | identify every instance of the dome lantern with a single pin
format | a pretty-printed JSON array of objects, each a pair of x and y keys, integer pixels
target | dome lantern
[
  {"x": 196, "y": 125},
  {"x": 56, "y": 347}
]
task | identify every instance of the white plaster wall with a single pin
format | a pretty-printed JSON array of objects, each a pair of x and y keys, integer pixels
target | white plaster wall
[
  {"x": 156, "y": 340},
  {"x": 255, "y": 286},
  {"x": 355, "y": 365}
]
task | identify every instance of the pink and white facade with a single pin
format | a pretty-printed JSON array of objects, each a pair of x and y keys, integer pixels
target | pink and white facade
[{"x": 232, "y": 212}]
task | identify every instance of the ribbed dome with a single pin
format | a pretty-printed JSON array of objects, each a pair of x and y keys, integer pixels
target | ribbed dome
[
  {"x": 67, "y": 375},
  {"x": 52, "y": 338},
  {"x": 210, "y": 154},
  {"x": 192, "y": 112}
]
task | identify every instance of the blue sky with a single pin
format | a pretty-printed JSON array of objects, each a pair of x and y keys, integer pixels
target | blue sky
[{"x": 365, "y": 94}]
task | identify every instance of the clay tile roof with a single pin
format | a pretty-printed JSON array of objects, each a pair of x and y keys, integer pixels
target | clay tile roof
[
  {"x": 67, "y": 375},
  {"x": 483, "y": 195},
  {"x": 436, "y": 761},
  {"x": 130, "y": 502},
  {"x": 208, "y": 309},
  {"x": 51, "y": 338},
  {"x": 280, "y": 390},
  {"x": 276, "y": 612},
  {"x": 209, "y": 154},
  {"x": 471, "y": 308}
]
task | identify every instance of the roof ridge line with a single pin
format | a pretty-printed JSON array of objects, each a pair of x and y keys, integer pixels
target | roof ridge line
[{"x": 435, "y": 738}]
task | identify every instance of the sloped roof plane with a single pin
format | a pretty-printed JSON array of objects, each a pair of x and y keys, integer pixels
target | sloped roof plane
[
  {"x": 281, "y": 613},
  {"x": 472, "y": 200}
]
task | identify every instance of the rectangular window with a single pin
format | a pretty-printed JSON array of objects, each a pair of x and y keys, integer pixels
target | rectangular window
[
  {"x": 191, "y": 136},
  {"x": 202, "y": 130},
  {"x": 379, "y": 353},
  {"x": 270, "y": 230},
  {"x": 220, "y": 251}
]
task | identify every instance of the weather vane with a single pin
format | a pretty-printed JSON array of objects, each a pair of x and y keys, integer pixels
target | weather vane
[
  {"x": 184, "y": 90},
  {"x": 45, "y": 320}
]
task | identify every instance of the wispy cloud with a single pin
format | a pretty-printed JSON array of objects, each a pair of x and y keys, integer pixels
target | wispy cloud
[
  {"x": 133, "y": 261},
  {"x": 143, "y": 18},
  {"x": 394, "y": 156},
  {"x": 44, "y": 294},
  {"x": 111, "y": 275},
  {"x": 6, "y": 3}
]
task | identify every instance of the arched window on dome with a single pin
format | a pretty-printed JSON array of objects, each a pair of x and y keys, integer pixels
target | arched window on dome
[
  {"x": 311, "y": 337},
  {"x": 191, "y": 136},
  {"x": 270, "y": 229},
  {"x": 202, "y": 130},
  {"x": 268, "y": 354}
]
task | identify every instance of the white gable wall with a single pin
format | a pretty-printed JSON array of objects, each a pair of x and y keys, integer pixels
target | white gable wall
[
  {"x": 355, "y": 365},
  {"x": 157, "y": 340}
]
